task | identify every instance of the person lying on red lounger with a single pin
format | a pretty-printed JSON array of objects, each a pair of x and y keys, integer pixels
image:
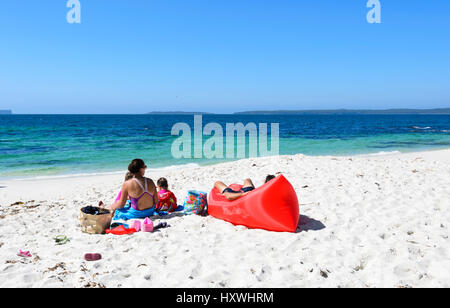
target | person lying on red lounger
[{"x": 233, "y": 194}]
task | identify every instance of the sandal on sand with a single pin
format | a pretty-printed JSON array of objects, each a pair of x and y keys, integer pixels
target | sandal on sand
[
  {"x": 61, "y": 240},
  {"x": 25, "y": 254},
  {"x": 161, "y": 225},
  {"x": 92, "y": 256}
]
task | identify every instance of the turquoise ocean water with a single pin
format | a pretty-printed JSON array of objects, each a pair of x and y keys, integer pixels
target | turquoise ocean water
[{"x": 53, "y": 145}]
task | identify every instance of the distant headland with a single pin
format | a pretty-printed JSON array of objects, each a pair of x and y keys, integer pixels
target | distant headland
[
  {"x": 353, "y": 111},
  {"x": 317, "y": 111},
  {"x": 5, "y": 112},
  {"x": 178, "y": 112}
]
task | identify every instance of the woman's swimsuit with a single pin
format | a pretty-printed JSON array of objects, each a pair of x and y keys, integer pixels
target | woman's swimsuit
[
  {"x": 132, "y": 211},
  {"x": 135, "y": 201}
]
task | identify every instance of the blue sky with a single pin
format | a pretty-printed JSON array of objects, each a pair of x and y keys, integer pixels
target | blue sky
[{"x": 135, "y": 56}]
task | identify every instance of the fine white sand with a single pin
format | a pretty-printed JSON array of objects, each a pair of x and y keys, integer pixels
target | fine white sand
[{"x": 367, "y": 221}]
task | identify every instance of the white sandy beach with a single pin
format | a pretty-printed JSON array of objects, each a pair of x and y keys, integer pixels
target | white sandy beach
[{"x": 367, "y": 221}]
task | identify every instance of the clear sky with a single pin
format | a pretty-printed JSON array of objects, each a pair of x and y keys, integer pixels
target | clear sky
[{"x": 135, "y": 56}]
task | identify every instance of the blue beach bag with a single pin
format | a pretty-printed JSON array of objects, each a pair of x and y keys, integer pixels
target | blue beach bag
[{"x": 196, "y": 202}]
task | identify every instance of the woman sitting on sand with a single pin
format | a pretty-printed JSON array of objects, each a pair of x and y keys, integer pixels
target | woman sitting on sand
[
  {"x": 233, "y": 194},
  {"x": 141, "y": 191}
]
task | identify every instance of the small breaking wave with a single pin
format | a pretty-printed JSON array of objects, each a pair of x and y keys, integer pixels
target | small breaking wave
[{"x": 385, "y": 153}]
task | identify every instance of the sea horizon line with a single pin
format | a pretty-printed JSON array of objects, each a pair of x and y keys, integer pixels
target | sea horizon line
[{"x": 343, "y": 111}]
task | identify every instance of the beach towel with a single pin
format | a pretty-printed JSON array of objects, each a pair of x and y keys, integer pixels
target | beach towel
[
  {"x": 179, "y": 210},
  {"x": 128, "y": 213},
  {"x": 126, "y": 216}
]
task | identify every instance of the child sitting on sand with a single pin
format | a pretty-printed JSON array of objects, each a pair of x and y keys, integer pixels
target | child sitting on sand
[
  {"x": 167, "y": 200},
  {"x": 128, "y": 176}
]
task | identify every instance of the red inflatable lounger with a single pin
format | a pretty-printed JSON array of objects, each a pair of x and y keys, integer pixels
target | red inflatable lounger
[{"x": 273, "y": 207}]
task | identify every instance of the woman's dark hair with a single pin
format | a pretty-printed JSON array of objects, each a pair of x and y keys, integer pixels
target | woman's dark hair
[
  {"x": 129, "y": 176},
  {"x": 162, "y": 182},
  {"x": 136, "y": 165},
  {"x": 269, "y": 177}
]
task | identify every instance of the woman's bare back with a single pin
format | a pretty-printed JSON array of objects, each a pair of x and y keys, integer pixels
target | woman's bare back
[{"x": 136, "y": 190}]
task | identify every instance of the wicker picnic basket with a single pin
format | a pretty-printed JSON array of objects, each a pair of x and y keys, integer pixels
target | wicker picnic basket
[{"x": 95, "y": 224}]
